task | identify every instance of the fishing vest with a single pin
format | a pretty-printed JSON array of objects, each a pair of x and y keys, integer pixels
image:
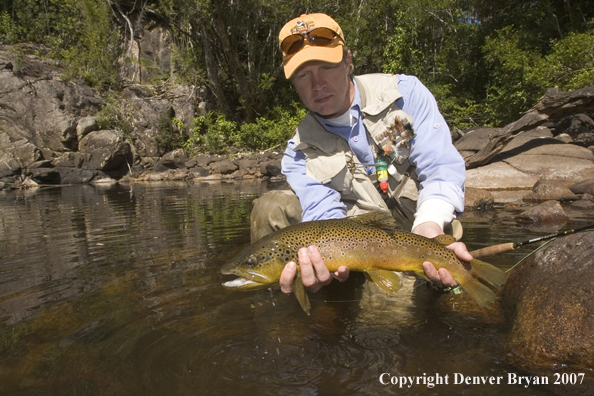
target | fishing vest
[{"x": 329, "y": 159}]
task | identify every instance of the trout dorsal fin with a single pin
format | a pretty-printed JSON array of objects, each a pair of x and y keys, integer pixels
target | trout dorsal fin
[
  {"x": 379, "y": 219},
  {"x": 301, "y": 294},
  {"x": 388, "y": 281},
  {"x": 444, "y": 239}
]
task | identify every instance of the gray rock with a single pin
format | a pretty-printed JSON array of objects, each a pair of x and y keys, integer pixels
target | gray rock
[
  {"x": 583, "y": 187},
  {"x": 70, "y": 160},
  {"x": 224, "y": 167},
  {"x": 271, "y": 168},
  {"x": 19, "y": 153},
  {"x": 107, "y": 150},
  {"x": 86, "y": 125},
  {"x": 550, "y": 190},
  {"x": 175, "y": 159},
  {"x": 499, "y": 176},
  {"x": 547, "y": 212},
  {"x": 574, "y": 125},
  {"x": 474, "y": 139},
  {"x": 45, "y": 175},
  {"x": 76, "y": 176},
  {"x": 199, "y": 172}
]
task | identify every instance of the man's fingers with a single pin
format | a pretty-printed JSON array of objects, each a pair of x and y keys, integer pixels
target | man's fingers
[
  {"x": 461, "y": 251},
  {"x": 441, "y": 277},
  {"x": 321, "y": 271},
  {"x": 446, "y": 278},
  {"x": 432, "y": 273},
  {"x": 287, "y": 277},
  {"x": 342, "y": 274},
  {"x": 308, "y": 274}
]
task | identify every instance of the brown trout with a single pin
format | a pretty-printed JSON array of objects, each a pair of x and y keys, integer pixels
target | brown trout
[{"x": 359, "y": 244}]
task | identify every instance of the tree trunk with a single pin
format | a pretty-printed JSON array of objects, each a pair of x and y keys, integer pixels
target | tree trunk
[
  {"x": 212, "y": 70},
  {"x": 237, "y": 68}
]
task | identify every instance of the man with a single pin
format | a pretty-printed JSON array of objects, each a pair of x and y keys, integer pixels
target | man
[{"x": 354, "y": 124}]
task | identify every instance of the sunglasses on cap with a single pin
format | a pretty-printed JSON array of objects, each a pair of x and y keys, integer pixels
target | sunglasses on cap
[{"x": 320, "y": 37}]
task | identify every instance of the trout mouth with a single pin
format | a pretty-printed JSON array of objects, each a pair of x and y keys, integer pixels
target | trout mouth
[
  {"x": 249, "y": 280},
  {"x": 239, "y": 283}
]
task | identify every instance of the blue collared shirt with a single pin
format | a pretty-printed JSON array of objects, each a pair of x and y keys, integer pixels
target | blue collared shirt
[{"x": 439, "y": 166}]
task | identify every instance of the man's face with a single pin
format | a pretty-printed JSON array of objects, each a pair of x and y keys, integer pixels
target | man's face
[{"x": 325, "y": 88}]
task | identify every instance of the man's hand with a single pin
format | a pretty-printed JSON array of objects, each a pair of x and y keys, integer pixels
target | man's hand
[
  {"x": 441, "y": 277},
  {"x": 314, "y": 273}
]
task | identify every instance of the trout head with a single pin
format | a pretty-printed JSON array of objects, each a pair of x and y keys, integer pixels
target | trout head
[{"x": 257, "y": 267}]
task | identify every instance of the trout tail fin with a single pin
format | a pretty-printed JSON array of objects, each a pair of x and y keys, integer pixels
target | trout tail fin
[
  {"x": 482, "y": 294},
  {"x": 488, "y": 273}
]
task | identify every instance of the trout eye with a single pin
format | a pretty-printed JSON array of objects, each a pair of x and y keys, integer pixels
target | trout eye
[{"x": 251, "y": 262}]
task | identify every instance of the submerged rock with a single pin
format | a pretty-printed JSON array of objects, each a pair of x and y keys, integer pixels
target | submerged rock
[
  {"x": 547, "y": 212},
  {"x": 549, "y": 301}
]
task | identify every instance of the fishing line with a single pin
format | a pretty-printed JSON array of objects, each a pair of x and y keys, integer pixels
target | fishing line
[
  {"x": 506, "y": 247},
  {"x": 586, "y": 229}
]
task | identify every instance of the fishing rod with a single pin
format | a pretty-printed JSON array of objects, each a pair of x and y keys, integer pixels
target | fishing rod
[{"x": 506, "y": 247}]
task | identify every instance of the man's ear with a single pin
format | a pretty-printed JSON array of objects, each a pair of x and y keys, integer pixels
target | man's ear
[{"x": 348, "y": 58}]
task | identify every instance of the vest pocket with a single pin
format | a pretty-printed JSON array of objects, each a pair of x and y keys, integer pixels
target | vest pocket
[{"x": 325, "y": 168}]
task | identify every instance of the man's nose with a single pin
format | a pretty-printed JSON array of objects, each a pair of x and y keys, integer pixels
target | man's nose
[{"x": 317, "y": 82}]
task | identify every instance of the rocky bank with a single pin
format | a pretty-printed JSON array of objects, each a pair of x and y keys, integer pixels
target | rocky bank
[{"x": 52, "y": 132}]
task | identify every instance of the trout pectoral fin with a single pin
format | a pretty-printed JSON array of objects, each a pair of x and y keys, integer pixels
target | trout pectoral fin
[
  {"x": 444, "y": 239},
  {"x": 301, "y": 294},
  {"x": 388, "y": 281}
]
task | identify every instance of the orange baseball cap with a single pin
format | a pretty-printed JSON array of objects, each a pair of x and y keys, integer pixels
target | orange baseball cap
[{"x": 306, "y": 23}]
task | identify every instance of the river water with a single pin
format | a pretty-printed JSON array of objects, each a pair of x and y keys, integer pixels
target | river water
[{"x": 116, "y": 290}]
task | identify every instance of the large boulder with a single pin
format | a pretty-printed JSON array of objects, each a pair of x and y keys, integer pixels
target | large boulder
[
  {"x": 549, "y": 301},
  {"x": 41, "y": 108},
  {"x": 106, "y": 150},
  {"x": 17, "y": 154}
]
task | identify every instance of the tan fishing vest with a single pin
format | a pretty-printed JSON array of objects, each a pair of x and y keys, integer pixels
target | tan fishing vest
[{"x": 329, "y": 159}]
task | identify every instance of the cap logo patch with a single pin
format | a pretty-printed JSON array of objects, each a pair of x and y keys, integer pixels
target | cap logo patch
[{"x": 302, "y": 27}]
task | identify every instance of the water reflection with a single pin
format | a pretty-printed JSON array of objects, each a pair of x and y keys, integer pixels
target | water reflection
[{"x": 116, "y": 291}]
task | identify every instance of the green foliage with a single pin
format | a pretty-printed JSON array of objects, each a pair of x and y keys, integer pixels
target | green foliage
[
  {"x": 570, "y": 65},
  {"x": 270, "y": 132},
  {"x": 116, "y": 114},
  {"x": 94, "y": 56},
  {"x": 521, "y": 74},
  {"x": 510, "y": 91},
  {"x": 8, "y": 28},
  {"x": 214, "y": 133},
  {"x": 171, "y": 133}
]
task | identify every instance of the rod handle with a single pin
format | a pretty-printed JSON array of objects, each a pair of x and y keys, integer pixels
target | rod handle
[{"x": 492, "y": 250}]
